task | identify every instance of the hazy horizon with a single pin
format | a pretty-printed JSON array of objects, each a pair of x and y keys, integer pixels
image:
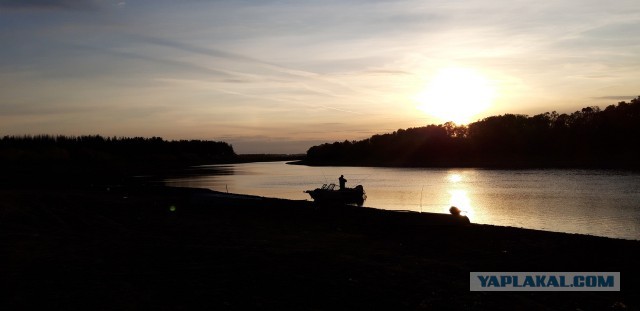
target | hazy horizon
[{"x": 281, "y": 76}]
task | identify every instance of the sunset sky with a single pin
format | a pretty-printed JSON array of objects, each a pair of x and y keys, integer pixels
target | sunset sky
[{"x": 280, "y": 76}]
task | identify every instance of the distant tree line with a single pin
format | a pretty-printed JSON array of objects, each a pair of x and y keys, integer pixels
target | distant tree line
[
  {"x": 591, "y": 137},
  {"x": 96, "y": 147},
  {"x": 100, "y": 156}
]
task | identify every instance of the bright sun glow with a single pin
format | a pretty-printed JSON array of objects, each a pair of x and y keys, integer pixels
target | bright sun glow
[
  {"x": 456, "y": 94},
  {"x": 461, "y": 200}
]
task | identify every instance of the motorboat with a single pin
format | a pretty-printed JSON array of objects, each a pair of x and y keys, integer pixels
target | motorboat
[{"x": 329, "y": 194}]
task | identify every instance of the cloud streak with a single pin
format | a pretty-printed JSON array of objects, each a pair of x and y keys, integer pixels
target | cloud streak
[
  {"x": 55, "y": 4},
  {"x": 290, "y": 75},
  {"x": 617, "y": 97}
]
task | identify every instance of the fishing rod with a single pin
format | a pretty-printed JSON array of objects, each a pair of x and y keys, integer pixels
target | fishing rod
[
  {"x": 421, "y": 198},
  {"x": 362, "y": 179}
]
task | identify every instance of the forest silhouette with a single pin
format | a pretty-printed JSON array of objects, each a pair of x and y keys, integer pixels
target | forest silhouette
[
  {"x": 589, "y": 138},
  {"x": 95, "y": 157}
]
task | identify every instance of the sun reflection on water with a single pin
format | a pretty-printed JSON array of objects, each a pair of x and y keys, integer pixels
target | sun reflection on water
[
  {"x": 454, "y": 178},
  {"x": 458, "y": 194},
  {"x": 460, "y": 199}
]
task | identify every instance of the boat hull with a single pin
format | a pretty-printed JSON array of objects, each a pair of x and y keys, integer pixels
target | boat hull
[{"x": 345, "y": 196}]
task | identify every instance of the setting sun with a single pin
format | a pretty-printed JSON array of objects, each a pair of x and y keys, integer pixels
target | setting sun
[{"x": 456, "y": 94}]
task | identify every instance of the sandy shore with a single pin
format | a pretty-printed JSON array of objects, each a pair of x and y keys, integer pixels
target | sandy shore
[{"x": 177, "y": 248}]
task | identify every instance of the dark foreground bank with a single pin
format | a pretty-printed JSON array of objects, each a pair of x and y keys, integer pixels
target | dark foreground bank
[{"x": 175, "y": 248}]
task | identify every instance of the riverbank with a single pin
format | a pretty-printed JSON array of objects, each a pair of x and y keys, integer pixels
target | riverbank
[
  {"x": 143, "y": 247},
  {"x": 489, "y": 165}
]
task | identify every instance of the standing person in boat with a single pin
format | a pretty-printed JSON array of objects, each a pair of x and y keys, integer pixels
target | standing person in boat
[{"x": 342, "y": 181}]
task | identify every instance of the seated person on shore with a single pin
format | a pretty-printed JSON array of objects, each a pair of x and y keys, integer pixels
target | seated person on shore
[
  {"x": 455, "y": 211},
  {"x": 342, "y": 181}
]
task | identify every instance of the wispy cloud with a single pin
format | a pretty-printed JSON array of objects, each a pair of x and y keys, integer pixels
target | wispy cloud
[
  {"x": 309, "y": 81},
  {"x": 617, "y": 97},
  {"x": 33, "y": 109},
  {"x": 195, "y": 48},
  {"x": 168, "y": 63},
  {"x": 56, "y": 4}
]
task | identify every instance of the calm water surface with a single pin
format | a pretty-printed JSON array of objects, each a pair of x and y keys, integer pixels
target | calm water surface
[{"x": 596, "y": 202}]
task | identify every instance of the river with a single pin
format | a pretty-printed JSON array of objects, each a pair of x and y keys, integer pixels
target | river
[{"x": 596, "y": 202}]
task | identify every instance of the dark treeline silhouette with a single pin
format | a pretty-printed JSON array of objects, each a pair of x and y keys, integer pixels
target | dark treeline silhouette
[
  {"x": 591, "y": 137},
  {"x": 96, "y": 148},
  {"x": 68, "y": 156}
]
